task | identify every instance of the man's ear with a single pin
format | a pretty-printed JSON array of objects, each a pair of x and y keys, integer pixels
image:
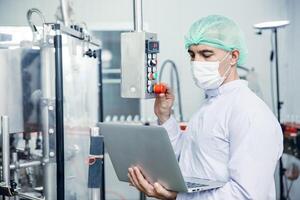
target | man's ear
[{"x": 235, "y": 57}]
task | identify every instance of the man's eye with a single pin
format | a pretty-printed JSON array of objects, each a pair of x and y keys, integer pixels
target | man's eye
[{"x": 207, "y": 55}]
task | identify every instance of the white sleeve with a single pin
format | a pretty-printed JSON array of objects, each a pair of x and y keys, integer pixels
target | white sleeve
[
  {"x": 175, "y": 134},
  {"x": 255, "y": 147}
]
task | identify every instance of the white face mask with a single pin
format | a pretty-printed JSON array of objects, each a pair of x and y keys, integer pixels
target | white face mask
[{"x": 206, "y": 73}]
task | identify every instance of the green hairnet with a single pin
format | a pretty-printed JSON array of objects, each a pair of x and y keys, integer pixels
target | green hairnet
[{"x": 219, "y": 32}]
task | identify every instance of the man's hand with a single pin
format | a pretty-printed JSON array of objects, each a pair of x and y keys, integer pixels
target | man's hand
[
  {"x": 157, "y": 191},
  {"x": 163, "y": 105}
]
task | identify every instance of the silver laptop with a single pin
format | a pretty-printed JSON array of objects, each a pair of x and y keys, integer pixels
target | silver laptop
[{"x": 150, "y": 149}]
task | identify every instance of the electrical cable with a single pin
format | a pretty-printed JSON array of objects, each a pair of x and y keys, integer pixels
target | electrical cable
[
  {"x": 174, "y": 67},
  {"x": 243, "y": 68}
]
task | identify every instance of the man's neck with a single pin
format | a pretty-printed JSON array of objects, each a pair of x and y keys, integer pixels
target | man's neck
[{"x": 232, "y": 76}]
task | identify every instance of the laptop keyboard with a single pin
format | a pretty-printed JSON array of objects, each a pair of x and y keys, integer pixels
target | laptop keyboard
[{"x": 194, "y": 185}]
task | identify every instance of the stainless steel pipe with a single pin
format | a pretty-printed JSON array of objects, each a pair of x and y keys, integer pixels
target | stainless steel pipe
[
  {"x": 25, "y": 165},
  {"x": 26, "y": 196},
  {"x": 138, "y": 15},
  {"x": 5, "y": 150}
]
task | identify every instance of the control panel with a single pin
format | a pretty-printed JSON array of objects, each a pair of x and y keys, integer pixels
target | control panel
[
  {"x": 139, "y": 73},
  {"x": 152, "y": 49}
]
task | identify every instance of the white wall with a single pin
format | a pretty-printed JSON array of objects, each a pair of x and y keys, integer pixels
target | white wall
[
  {"x": 293, "y": 51},
  {"x": 292, "y": 77},
  {"x": 171, "y": 20},
  {"x": 172, "y": 23}
]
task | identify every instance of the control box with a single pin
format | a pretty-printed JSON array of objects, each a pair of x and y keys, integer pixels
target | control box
[{"x": 139, "y": 64}]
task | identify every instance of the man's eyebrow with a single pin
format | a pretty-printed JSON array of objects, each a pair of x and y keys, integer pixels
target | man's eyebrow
[
  {"x": 201, "y": 51},
  {"x": 206, "y": 51}
]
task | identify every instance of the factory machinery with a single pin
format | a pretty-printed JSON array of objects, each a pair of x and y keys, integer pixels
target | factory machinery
[
  {"x": 50, "y": 107},
  {"x": 52, "y": 102}
]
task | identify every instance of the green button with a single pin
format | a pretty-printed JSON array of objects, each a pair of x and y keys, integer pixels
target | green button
[{"x": 155, "y": 75}]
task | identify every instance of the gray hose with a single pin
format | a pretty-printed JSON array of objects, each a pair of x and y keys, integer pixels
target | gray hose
[
  {"x": 29, "y": 14},
  {"x": 30, "y": 23},
  {"x": 174, "y": 67}
]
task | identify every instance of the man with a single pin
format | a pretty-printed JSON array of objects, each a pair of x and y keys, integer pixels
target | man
[{"x": 233, "y": 137}]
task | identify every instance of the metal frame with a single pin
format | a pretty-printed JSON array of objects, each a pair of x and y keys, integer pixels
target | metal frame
[
  {"x": 51, "y": 109},
  {"x": 59, "y": 108},
  {"x": 102, "y": 189},
  {"x": 59, "y": 29},
  {"x": 279, "y": 105}
]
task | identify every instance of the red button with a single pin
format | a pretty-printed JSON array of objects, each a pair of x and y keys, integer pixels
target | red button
[
  {"x": 150, "y": 76},
  {"x": 159, "y": 88}
]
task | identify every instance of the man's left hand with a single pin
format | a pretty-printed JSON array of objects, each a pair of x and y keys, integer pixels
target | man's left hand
[{"x": 156, "y": 190}]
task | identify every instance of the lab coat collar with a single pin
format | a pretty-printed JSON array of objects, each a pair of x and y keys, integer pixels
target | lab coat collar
[{"x": 227, "y": 87}]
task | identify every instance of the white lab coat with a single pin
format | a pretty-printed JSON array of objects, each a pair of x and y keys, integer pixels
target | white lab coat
[{"x": 235, "y": 138}]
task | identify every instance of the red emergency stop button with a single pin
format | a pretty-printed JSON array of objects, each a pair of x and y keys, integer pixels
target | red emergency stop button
[{"x": 159, "y": 88}]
